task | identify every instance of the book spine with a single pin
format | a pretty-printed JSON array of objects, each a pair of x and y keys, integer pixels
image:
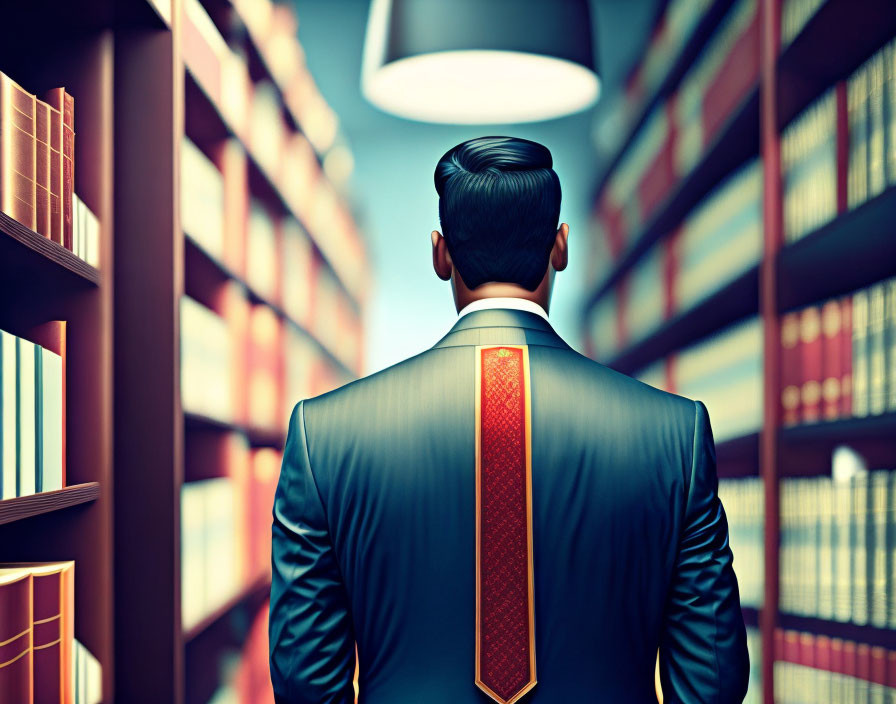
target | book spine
[
  {"x": 47, "y": 614},
  {"x": 890, "y": 344},
  {"x": 16, "y": 637},
  {"x": 17, "y": 195},
  {"x": 8, "y": 404},
  {"x": 843, "y": 557},
  {"x": 860, "y": 549},
  {"x": 826, "y": 566},
  {"x": 811, "y": 350},
  {"x": 846, "y": 356},
  {"x": 51, "y": 422},
  {"x": 857, "y": 93},
  {"x": 878, "y": 532},
  {"x": 68, "y": 172},
  {"x": 890, "y": 586},
  {"x": 790, "y": 368},
  {"x": 42, "y": 166},
  {"x": 25, "y": 418},
  {"x": 877, "y": 175},
  {"x": 56, "y": 167},
  {"x": 890, "y": 108},
  {"x": 860, "y": 357},
  {"x": 877, "y": 350},
  {"x": 832, "y": 363}
]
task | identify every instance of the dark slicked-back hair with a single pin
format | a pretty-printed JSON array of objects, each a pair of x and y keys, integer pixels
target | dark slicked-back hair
[{"x": 499, "y": 206}]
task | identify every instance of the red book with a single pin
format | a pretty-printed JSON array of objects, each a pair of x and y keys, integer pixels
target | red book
[
  {"x": 823, "y": 653},
  {"x": 837, "y": 656},
  {"x": 879, "y": 666},
  {"x": 807, "y": 650},
  {"x": 846, "y": 356},
  {"x": 42, "y": 168},
  {"x": 849, "y": 668},
  {"x": 65, "y": 104},
  {"x": 891, "y": 669},
  {"x": 811, "y": 350},
  {"x": 15, "y": 635},
  {"x": 53, "y": 613},
  {"x": 17, "y": 184},
  {"x": 738, "y": 73},
  {"x": 56, "y": 169},
  {"x": 863, "y": 662},
  {"x": 792, "y": 651},
  {"x": 790, "y": 368},
  {"x": 832, "y": 362}
]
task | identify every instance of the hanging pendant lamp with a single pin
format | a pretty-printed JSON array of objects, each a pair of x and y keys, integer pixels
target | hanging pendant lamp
[{"x": 480, "y": 61}]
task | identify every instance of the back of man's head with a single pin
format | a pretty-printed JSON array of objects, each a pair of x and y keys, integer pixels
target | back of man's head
[{"x": 499, "y": 206}]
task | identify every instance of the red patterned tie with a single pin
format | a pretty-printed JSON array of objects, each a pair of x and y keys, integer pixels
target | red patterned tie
[{"x": 505, "y": 608}]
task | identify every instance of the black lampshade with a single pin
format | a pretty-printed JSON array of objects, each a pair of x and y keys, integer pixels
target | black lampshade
[{"x": 480, "y": 61}]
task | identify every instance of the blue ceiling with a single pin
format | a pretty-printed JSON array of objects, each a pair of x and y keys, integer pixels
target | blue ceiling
[{"x": 392, "y": 189}]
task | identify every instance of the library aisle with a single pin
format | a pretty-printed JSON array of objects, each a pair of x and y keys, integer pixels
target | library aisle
[{"x": 186, "y": 252}]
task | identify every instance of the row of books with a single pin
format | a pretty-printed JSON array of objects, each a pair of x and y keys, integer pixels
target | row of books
[
  {"x": 225, "y": 523},
  {"x": 247, "y": 678},
  {"x": 794, "y": 16},
  {"x": 815, "y": 669},
  {"x": 32, "y": 398},
  {"x": 247, "y": 366},
  {"x": 719, "y": 240},
  {"x": 744, "y": 503},
  {"x": 838, "y": 547},
  {"x": 677, "y": 132},
  {"x": 670, "y": 35},
  {"x": 255, "y": 115},
  {"x": 871, "y": 111},
  {"x": 809, "y": 168},
  {"x": 40, "y": 660},
  {"x": 809, "y": 158},
  {"x": 838, "y": 357},
  {"x": 725, "y": 371},
  {"x": 275, "y": 255}
]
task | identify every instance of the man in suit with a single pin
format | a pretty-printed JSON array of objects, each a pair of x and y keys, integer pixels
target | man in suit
[{"x": 499, "y": 517}]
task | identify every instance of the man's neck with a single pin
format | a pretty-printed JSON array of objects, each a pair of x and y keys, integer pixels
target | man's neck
[{"x": 504, "y": 302}]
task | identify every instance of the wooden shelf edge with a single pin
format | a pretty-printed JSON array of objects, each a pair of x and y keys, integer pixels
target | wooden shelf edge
[
  {"x": 731, "y": 302},
  {"x": 840, "y": 429},
  {"x": 257, "y": 436},
  {"x": 45, "y": 502},
  {"x": 54, "y": 253},
  {"x": 872, "y": 635},
  {"x": 702, "y": 33},
  {"x": 256, "y": 587},
  {"x": 853, "y": 250},
  {"x": 713, "y": 166}
]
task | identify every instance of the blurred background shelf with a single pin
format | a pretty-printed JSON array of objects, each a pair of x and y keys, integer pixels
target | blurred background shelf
[
  {"x": 47, "y": 501},
  {"x": 882, "y": 637},
  {"x": 254, "y": 591},
  {"x": 257, "y": 437},
  {"x": 835, "y": 41},
  {"x": 736, "y": 141}
]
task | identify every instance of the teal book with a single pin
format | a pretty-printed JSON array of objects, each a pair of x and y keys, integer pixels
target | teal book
[
  {"x": 26, "y": 440},
  {"x": 8, "y": 383},
  {"x": 50, "y": 391}
]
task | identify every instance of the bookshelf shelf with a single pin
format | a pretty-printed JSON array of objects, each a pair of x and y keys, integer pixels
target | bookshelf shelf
[
  {"x": 29, "y": 261},
  {"x": 844, "y": 429},
  {"x": 701, "y": 34},
  {"x": 871, "y": 635},
  {"x": 735, "y": 300},
  {"x": 834, "y": 42},
  {"x": 258, "y": 437},
  {"x": 751, "y": 616},
  {"x": 260, "y": 586},
  {"x": 47, "y": 502},
  {"x": 736, "y": 141},
  {"x": 854, "y": 250},
  {"x": 738, "y": 457}
]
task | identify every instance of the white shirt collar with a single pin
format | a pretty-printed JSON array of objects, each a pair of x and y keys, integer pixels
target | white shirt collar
[{"x": 504, "y": 302}]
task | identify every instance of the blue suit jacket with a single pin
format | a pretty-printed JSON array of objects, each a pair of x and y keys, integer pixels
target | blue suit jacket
[{"x": 374, "y": 535}]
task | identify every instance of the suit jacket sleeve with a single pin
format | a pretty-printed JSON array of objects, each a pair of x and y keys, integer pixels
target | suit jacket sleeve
[
  {"x": 703, "y": 649},
  {"x": 311, "y": 640}
]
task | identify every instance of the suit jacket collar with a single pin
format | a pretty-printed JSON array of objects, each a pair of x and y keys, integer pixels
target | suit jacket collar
[{"x": 502, "y": 326}]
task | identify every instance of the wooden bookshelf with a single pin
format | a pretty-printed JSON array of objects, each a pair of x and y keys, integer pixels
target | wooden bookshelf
[
  {"x": 49, "y": 44},
  {"x": 852, "y": 251},
  {"x": 158, "y": 101},
  {"x": 47, "y": 501}
]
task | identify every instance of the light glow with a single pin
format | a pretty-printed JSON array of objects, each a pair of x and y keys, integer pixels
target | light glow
[{"x": 481, "y": 86}]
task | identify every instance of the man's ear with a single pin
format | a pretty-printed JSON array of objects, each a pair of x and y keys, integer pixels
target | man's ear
[
  {"x": 560, "y": 251},
  {"x": 441, "y": 259}
]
